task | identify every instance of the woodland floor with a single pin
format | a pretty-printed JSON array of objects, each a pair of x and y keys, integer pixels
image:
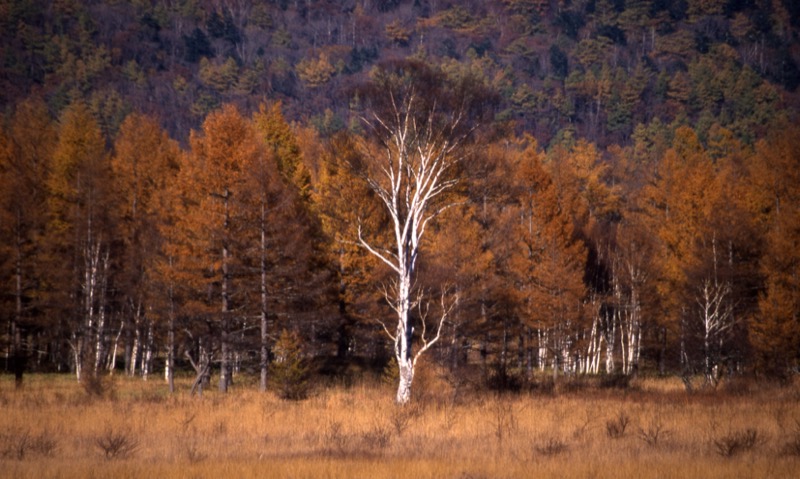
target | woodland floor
[{"x": 53, "y": 428}]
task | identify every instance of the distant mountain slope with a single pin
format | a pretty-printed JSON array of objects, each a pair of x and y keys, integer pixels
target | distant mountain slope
[{"x": 586, "y": 68}]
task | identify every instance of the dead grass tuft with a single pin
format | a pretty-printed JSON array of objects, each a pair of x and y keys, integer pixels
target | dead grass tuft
[
  {"x": 551, "y": 446},
  {"x": 615, "y": 427},
  {"x": 653, "y": 434},
  {"x": 736, "y": 442},
  {"x": 19, "y": 443},
  {"x": 116, "y": 444}
]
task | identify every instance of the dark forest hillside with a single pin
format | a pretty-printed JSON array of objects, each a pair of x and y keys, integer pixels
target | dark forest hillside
[{"x": 594, "y": 69}]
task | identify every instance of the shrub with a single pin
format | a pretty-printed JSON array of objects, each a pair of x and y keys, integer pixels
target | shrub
[
  {"x": 615, "y": 428},
  {"x": 376, "y": 438},
  {"x": 116, "y": 444},
  {"x": 18, "y": 443},
  {"x": 736, "y": 442},
  {"x": 97, "y": 385},
  {"x": 653, "y": 434},
  {"x": 792, "y": 445},
  {"x": 290, "y": 372},
  {"x": 402, "y": 415},
  {"x": 336, "y": 441}
]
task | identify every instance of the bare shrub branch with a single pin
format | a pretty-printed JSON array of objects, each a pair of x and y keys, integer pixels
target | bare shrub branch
[
  {"x": 615, "y": 428},
  {"x": 736, "y": 442},
  {"x": 116, "y": 444}
]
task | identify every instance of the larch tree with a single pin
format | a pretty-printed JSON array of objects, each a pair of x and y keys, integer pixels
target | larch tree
[
  {"x": 342, "y": 202},
  {"x": 25, "y": 150},
  {"x": 79, "y": 234},
  {"x": 688, "y": 214},
  {"x": 629, "y": 255},
  {"x": 419, "y": 126},
  {"x": 549, "y": 261},
  {"x": 144, "y": 161},
  {"x": 673, "y": 211},
  {"x": 455, "y": 266},
  {"x": 776, "y": 201},
  {"x": 281, "y": 141},
  {"x": 277, "y": 236},
  {"x": 211, "y": 182}
]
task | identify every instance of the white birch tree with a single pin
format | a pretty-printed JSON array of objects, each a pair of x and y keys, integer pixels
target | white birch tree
[
  {"x": 715, "y": 311},
  {"x": 420, "y": 126}
]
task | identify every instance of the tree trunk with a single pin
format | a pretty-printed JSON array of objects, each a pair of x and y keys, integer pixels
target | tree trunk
[
  {"x": 112, "y": 362},
  {"x": 170, "y": 367},
  {"x": 406, "y": 377},
  {"x": 101, "y": 314},
  {"x": 405, "y": 333},
  {"x": 224, "y": 366},
  {"x": 135, "y": 348},
  {"x": 147, "y": 354},
  {"x": 264, "y": 359},
  {"x": 16, "y": 344}
]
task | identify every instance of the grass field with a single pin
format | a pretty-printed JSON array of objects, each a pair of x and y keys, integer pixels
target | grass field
[{"x": 53, "y": 428}]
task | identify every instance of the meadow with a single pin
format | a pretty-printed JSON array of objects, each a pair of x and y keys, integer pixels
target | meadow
[{"x": 54, "y": 427}]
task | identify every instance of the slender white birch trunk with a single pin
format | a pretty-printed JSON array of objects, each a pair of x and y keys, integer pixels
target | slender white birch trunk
[{"x": 264, "y": 358}]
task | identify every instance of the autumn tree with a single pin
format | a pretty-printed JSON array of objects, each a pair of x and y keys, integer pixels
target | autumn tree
[
  {"x": 493, "y": 193},
  {"x": 211, "y": 251},
  {"x": 79, "y": 234},
  {"x": 145, "y": 160},
  {"x": 456, "y": 265},
  {"x": 281, "y": 141},
  {"x": 342, "y": 202},
  {"x": 278, "y": 236},
  {"x": 419, "y": 127},
  {"x": 25, "y": 150},
  {"x": 548, "y": 262},
  {"x": 630, "y": 256},
  {"x": 775, "y": 181},
  {"x": 703, "y": 249}
]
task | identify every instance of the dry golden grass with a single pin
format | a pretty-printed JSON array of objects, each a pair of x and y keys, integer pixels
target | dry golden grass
[{"x": 53, "y": 428}]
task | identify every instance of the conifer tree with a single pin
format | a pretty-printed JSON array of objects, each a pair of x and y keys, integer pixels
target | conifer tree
[
  {"x": 25, "y": 150},
  {"x": 210, "y": 250},
  {"x": 79, "y": 235},
  {"x": 145, "y": 160},
  {"x": 776, "y": 183}
]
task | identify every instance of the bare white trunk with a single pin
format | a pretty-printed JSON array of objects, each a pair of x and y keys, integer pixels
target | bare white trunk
[
  {"x": 541, "y": 355},
  {"x": 77, "y": 354},
  {"x": 169, "y": 370},
  {"x": 137, "y": 345},
  {"x": 264, "y": 359},
  {"x": 611, "y": 341},
  {"x": 112, "y": 363},
  {"x": 716, "y": 316},
  {"x": 101, "y": 313},
  {"x": 224, "y": 364},
  {"x": 147, "y": 355}
]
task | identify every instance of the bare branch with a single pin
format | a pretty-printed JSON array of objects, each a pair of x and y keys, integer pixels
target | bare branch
[
  {"x": 363, "y": 243},
  {"x": 446, "y": 310}
]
